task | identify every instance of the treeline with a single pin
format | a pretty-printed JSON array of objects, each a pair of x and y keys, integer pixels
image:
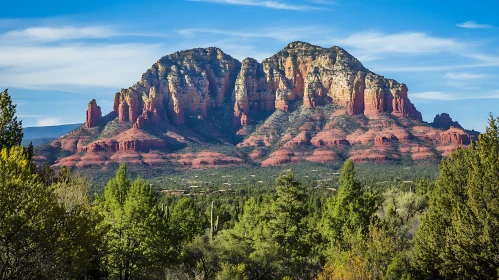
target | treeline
[{"x": 52, "y": 227}]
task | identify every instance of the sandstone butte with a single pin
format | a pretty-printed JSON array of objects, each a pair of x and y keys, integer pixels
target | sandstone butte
[{"x": 305, "y": 103}]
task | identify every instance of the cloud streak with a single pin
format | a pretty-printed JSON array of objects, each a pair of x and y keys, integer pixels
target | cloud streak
[
  {"x": 465, "y": 76},
  {"x": 473, "y": 25},
  {"x": 265, "y": 4},
  {"x": 280, "y": 33},
  {"x": 406, "y": 42},
  {"x": 51, "y": 34},
  {"x": 43, "y": 58},
  {"x": 437, "y": 95}
]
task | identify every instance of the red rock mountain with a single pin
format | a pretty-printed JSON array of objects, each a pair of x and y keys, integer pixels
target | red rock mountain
[{"x": 203, "y": 108}]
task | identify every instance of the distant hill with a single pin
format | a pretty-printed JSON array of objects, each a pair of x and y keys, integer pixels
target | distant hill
[{"x": 39, "y": 135}]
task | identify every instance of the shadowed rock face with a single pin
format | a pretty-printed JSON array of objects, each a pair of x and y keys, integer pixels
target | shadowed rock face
[
  {"x": 444, "y": 121},
  {"x": 310, "y": 103}
]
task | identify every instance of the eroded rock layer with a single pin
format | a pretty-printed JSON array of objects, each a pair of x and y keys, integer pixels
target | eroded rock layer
[
  {"x": 317, "y": 76},
  {"x": 184, "y": 83}
]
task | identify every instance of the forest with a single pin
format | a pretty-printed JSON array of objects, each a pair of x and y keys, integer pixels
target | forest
[{"x": 55, "y": 225}]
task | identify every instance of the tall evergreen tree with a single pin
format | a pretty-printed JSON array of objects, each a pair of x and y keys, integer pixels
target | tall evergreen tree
[
  {"x": 287, "y": 224},
  {"x": 11, "y": 132},
  {"x": 459, "y": 236},
  {"x": 350, "y": 212}
]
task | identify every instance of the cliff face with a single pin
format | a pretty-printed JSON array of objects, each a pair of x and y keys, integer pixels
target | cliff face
[
  {"x": 184, "y": 83},
  {"x": 317, "y": 76},
  {"x": 311, "y": 103},
  {"x": 193, "y": 82}
]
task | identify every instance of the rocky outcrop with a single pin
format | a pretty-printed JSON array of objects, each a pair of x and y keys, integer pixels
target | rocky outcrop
[
  {"x": 192, "y": 82},
  {"x": 184, "y": 83},
  {"x": 444, "y": 121},
  {"x": 316, "y": 76},
  {"x": 455, "y": 136},
  {"x": 94, "y": 114},
  {"x": 130, "y": 140},
  {"x": 251, "y": 92}
]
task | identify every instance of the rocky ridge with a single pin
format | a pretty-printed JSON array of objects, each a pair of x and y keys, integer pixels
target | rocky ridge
[{"x": 305, "y": 103}]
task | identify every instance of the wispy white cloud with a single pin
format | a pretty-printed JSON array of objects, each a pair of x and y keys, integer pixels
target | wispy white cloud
[
  {"x": 473, "y": 25},
  {"x": 50, "y": 34},
  {"x": 79, "y": 65},
  {"x": 321, "y": 2},
  {"x": 466, "y": 76},
  {"x": 406, "y": 42},
  {"x": 431, "y": 95},
  {"x": 47, "y": 34},
  {"x": 280, "y": 33},
  {"x": 437, "y": 95},
  {"x": 266, "y": 4},
  {"x": 43, "y": 58},
  {"x": 49, "y": 121},
  {"x": 433, "y": 68}
]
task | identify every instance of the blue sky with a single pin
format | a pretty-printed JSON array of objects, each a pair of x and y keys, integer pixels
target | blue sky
[{"x": 55, "y": 56}]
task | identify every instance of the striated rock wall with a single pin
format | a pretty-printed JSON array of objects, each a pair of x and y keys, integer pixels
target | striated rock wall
[
  {"x": 188, "y": 82},
  {"x": 455, "y": 136},
  {"x": 94, "y": 114},
  {"x": 251, "y": 92},
  {"x": 316, "y": 75},
  {"x": 130, "y": 140},
  {"x": 191, "y": 82}
]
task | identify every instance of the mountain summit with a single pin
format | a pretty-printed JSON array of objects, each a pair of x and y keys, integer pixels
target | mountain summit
[{"x": 202, "y": 107}]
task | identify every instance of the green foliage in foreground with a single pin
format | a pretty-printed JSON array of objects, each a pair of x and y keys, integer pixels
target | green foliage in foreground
[
  {"x": 50, "y": 228},
  {"x": 459, "y": 236}
]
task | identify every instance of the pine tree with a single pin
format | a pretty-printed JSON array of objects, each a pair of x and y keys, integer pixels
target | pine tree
[
  {"x": 11, "y": 132},
  {"x": 287, "y": 224},
  {"x": 350, "y": 212}
]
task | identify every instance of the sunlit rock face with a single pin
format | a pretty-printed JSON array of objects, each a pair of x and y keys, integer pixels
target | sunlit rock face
[
  {"x": 184, "y": 83},
  {"x": 317, "y": 76}
]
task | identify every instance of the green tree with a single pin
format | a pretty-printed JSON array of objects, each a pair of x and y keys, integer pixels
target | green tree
[
  {"x": 188, "y": 220},
  {"x": 350, "y": 212},
  {"x": 44, "y": 233},
  {"x": 138, "y": 239},
  {"x": 270, "y": 238},
  {"x": 287, "y": 224},
  {"x": 11, "y": 132},
  {"x": 82, "y": 235},
  {"x": 459, "y": 236}
]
